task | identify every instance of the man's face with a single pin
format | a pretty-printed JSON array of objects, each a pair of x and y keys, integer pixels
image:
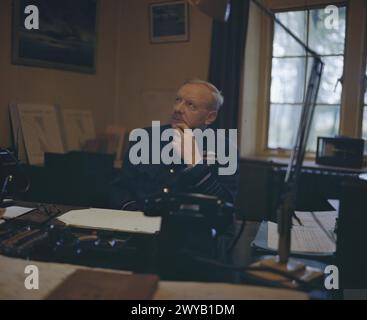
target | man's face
[{"x": 192, "y": 107}]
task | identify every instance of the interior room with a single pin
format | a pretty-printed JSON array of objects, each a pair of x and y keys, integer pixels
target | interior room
[{"x": 191, "y": 149}]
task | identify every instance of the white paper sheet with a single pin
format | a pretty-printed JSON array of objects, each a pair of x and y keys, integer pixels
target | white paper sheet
[
  {"x": 303, "y": 239},
  {"x": 117, "y": 220},
  {"x": 335, "y": 203},
  {"x": 14, "y": 211},
  {"x": 326, "y": 218}
]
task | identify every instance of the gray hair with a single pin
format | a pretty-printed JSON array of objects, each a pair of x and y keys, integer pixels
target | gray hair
[{"x": 216, "y": 94}]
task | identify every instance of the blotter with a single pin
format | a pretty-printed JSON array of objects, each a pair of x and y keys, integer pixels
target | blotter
[
  {"x": 304, "y": 240},
  {"x": 101, "y": 285},
  {"x": 115, "y": 220}
]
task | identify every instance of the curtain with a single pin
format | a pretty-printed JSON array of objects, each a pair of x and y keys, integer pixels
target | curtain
[{"x": 226, "y": 61}]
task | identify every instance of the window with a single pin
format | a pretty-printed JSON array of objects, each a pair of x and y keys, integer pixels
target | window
[{"x": 289, "y": 77}]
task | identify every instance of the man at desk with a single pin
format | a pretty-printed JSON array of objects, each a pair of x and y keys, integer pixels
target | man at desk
[{"x": 196, "y": 107}]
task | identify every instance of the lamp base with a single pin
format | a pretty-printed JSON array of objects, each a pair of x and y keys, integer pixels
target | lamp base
[{"x": 293, "y": 268}]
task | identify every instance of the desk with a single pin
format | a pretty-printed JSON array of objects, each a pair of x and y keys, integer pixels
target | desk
[
  {"x": 60, "y": 243},
  {"x": 241, "y": 254},
  {"x": 52, "y": 274},
  {"x": 263, "y": 178}
]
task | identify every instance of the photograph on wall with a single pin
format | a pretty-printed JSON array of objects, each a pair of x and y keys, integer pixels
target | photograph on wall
[
  {"x": 169, "y": 22},
  {"x": 65, "y": 38}
]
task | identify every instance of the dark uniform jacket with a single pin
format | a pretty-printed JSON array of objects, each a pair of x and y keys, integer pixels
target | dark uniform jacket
[{"x": 137, "y": 182}]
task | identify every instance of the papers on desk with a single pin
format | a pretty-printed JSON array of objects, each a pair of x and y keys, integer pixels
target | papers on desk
[
  {"x": 115, "y": 220},
  {"x": 326, "y": 218},
  {"x": 303, "y": 239},
  {"x": 307, "y": 239},
  {"x": 335, "y": 203},
  {"x": 14, "y": 212}
]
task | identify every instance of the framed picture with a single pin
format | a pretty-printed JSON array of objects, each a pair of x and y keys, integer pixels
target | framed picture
[
  {"x": 65, "y": 38},
  {"x": 169, "y": 22}
]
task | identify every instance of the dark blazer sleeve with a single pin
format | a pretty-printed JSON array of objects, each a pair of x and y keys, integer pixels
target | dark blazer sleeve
[
  {"x": 205, "y": 179},
  {"x": 123, "y": 189},
  {"x": 134, "y": 182}
]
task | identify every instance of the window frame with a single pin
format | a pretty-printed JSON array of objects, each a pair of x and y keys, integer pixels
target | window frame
[{"x": 351, "y": 107}]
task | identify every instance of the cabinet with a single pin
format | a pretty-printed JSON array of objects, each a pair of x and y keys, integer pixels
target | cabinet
[
  {"x": 261, "y": 181},
  {"x": 75, "y": 178}
]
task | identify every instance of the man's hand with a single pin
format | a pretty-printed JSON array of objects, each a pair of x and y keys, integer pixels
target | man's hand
[{"x": 185, "y": 144}]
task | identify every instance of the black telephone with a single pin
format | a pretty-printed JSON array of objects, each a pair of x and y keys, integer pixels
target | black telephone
[
  {"x": 191, "y": 224},
  {"x": 191, "y": 206}
]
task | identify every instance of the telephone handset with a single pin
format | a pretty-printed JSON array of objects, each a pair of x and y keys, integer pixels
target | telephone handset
[
  {"x": 195, "y": 206},
  {"x": 191, "y": 224}
]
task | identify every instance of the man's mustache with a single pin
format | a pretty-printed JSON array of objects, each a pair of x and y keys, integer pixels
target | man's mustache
[{"x": 176, "y": 117}]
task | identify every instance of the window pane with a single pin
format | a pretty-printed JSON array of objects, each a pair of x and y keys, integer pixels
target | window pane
[
  {"x": 287, "y": 80},
  {"x": 325, "y": 123},
  {"x": 326, "y": 36},
  {"x": 282, "y": 128},
  {"x": 284, "y": 45},
  {"x": 333, "y": 70},
  {"x": 284, "y": 123}
]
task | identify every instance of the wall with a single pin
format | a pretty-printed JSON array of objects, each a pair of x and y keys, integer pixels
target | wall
[
  {"x": 69, "y": 89},
  {"x": 151, "y": 73},
  {"x": 250, "y": 81},
  {"x": 135, "y": 80}
]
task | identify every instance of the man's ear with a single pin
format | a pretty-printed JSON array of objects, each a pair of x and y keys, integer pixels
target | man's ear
[{"x": 212, "y": 115}]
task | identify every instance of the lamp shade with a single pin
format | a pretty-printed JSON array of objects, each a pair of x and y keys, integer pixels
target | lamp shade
[{"x": 217, "y": 9}]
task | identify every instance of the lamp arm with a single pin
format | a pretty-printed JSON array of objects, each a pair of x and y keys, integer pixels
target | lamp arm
[{"x": 285, "y": 210}]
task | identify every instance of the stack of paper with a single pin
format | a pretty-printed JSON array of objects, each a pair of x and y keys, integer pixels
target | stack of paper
[{"x": 40, "y": 128}]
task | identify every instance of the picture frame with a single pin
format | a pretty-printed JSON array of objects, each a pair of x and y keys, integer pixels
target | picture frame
[
  {"x": 66, "y": 38},
  {"x": 169, "y": 22}
]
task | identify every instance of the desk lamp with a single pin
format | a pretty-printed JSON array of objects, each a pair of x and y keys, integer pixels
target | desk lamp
[{"x": 285, "y": 210}]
